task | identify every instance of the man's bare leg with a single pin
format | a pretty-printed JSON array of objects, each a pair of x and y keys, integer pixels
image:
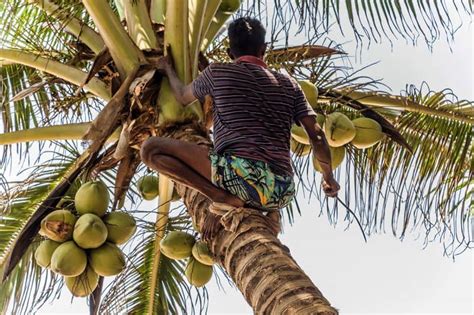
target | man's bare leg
[{"x": 186, "y": 163}]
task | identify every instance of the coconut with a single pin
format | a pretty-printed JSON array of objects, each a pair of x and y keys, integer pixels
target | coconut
[
  {"x": 299, "y": 134},
  {"x": 120, "y": 226},
  {"x": 44, "y": 252},
  {"x": 320, "y": 119},
  {"x": 58, "y": 225},
  {"x": 69, "y": 259},
  {"x": 339, "y": 129},
  {"x": 310, "y": 92},
  {"x": 197, "y": 274},
  {"x": 337, "y": 156},
  {"x": 107, "y": 260},
  {"x": 368, "y": 133},
  {"x": 92, "y": 197},
  {"x": 89, "y": 231},
  {"x": 177, "y": 245},
  {"x": 298, "y": 148},
  {"x": 202, "y": 253},
  {"x": 148, "y": 187},
  {"x": 84, "y": 284}
]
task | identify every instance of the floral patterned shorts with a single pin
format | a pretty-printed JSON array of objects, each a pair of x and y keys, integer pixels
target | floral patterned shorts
[{"x": 252, "y": 181}]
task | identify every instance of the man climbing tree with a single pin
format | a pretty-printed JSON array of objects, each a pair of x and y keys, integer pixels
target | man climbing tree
[{"x": 253, "y": 110}]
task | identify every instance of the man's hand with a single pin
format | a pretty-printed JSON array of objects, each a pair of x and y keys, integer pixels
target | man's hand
[
  {"x": 165, "y": 65},
  {"x": 330, "y": 187}
]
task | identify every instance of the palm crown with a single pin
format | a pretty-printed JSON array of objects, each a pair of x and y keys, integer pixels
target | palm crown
[{"x": 75, "y": 70}]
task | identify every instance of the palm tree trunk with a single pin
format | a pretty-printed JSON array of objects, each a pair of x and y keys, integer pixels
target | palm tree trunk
[{"x": 258, "y": 263}]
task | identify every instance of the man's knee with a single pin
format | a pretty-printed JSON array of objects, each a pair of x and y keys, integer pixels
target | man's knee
[{"x": 151, "y": 147}]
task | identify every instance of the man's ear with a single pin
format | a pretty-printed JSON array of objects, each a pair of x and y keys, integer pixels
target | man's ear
[
  {"x": 262, "y": 51},
  {"x": 230, "y": 54}
]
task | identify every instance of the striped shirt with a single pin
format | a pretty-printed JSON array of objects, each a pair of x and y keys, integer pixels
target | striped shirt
[{"x": 253, "y": 111}]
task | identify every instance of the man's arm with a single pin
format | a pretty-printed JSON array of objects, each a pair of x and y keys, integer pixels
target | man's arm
[
  {"x": 182, "y": 93},
  {"x": 321, "y": 153}
]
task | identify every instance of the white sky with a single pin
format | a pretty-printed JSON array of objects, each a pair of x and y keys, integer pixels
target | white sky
[{"x": 385, "y": 275}]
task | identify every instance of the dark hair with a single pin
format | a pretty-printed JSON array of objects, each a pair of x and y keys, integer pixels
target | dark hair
[{"x": 246, "y": 36}]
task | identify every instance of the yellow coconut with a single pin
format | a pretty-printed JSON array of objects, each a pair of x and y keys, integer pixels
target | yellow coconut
[
  {"x": 84, "y": 284},
  {"x": 107, "y": 260},
  {"x": 69, "y": 259},
  {"x": 337, "y": 156},
  {"x": 120, "y": 226},
  {"x": 177, "y": 245},
  {"x": 299, "y": 134},
  {"x": 310, "y": 92},
  {"x": 58, "y": 225},
  {"x": 148, "y": 187},
  {"x": 298, "y": 148},
  {"x": 368, "y": 133},
  {"x": 92, "y": 197},
  {"x": 44, "y": 252},
  {"x": 202, "y": 253},
  {"x": 89, "y": 231},
  {"x": 197, "y": 274},
  {"x": 339, "y": 129}
]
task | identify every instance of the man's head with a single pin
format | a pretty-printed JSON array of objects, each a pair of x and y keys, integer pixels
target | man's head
[{"x": 246, "y": 37}]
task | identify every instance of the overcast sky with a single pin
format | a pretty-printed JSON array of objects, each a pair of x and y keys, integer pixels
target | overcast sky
[{"x": 385, "y": 275}]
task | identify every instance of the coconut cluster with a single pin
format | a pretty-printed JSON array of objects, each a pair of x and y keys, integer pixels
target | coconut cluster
[
  {"x": 83, "y": 247},
  {"x": 148, "y": 188},
  {"x": 179, "y": 245},
  {"x": 339, "y": 129}
]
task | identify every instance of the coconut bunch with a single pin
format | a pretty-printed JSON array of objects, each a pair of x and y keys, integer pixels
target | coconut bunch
[
  {"x": 340, "y": 131},
  {"x": 82, "y": 246},
  {"x": 179, "y": 245},
  {"x": 148, "y": 188}
]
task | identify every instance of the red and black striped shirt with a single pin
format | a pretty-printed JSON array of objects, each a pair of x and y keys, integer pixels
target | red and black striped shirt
[{"x": 253, "y": 111}]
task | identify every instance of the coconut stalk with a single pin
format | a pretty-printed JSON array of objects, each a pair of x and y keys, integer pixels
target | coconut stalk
[
  {"x": 139, "y": 24},
  {"x": 165, "y": 188},
  {"x": 176, "y": 36},
  {"x": 51, "y": 133},
  {"x": 158, "y": 11},
  {"x": 124, "y": 52},
  {"x": 224, "y": 12},
  {"x": 402, "y": 103},
  {"x": 60, "y": 70},
  {"x": 73, "y": 25}
]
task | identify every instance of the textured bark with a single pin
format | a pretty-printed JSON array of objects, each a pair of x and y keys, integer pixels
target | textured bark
[{"x": 258, "y": 263}]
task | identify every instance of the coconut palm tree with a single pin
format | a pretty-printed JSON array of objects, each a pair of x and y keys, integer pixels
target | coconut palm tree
[{"x": 83, "y": 70}]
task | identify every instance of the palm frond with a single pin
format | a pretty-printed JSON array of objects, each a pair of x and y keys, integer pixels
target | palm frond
[
  {"x": 425, "y": 191},
  {"x": 27, "y": 283},
  {"x": 369, "y": 21}
]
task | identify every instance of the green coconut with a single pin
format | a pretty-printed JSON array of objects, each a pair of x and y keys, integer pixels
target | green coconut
[
  {"x": 202, "y": 253},
  {"x": 310, "y": 92},
  {"x": 58, "y": 225},
  {"x": 337, "y": 156},
  {"x": 177, "y": 245},
  {"x": 84, "y": 284},
  {"x": 120, "y": 226},
  {"x": 69, "y": 259},
  {"x": 92, "y": 197},
  {"x": 299, "y": 134},
  {"x": 148, "y": 187},
  {"x": 368, "y": 133},
  {"x": 107, "y": 260},
  {"x": 197, "y": 273},
  {"x": 89, "y": 231},
  {"x": 339, "y": 129},
  {"x": 298, "y": 148},
  {"x": 320, "y": 119},
  {"x": 44, "y": 252}
]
